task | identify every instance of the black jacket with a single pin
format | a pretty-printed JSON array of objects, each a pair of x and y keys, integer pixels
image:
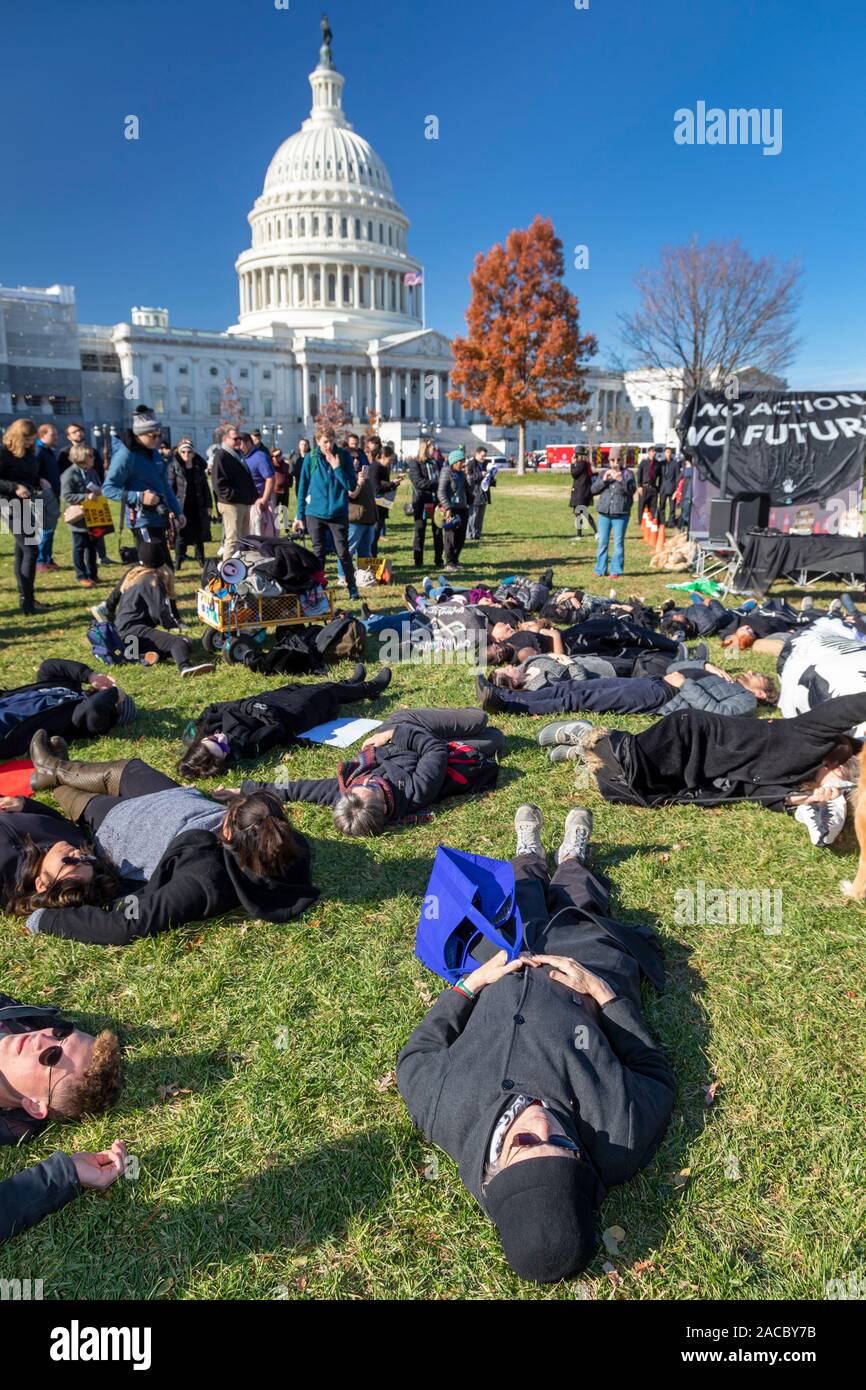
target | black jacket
[
  {"x": 196, "y": 879},
  {"x": 40, "y": 823},
  {"x": 141, "y": 607},
  {"x": 232, "y": 480},
  {"x": 36, "y": 1192},
  {"x": 453, "y": 489},
  {"x": 668, "y": 475},
  {"x": 467, "y": 1060},
  {"x": 581, "y": 485},
  {"x": 82, "y": 716},
  {"x": 194, "y": 495},
  {"x": 424, "y": 478},
  {"x": 272, "y": 719},
  {"x": 15, "y": 472}
]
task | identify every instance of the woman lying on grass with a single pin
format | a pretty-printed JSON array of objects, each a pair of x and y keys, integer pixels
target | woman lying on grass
[
  {"x": 140, "y": 854},
  {"x": 251, "y": 727}
]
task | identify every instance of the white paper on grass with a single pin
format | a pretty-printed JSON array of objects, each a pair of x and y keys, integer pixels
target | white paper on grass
[{"x": 341, "y": 733}]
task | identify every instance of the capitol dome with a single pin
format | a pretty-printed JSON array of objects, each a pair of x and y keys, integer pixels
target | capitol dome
[{"x": 328, "y": 253}]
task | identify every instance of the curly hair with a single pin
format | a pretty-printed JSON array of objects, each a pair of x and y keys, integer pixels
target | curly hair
[{"x": 97, "y": 1089}]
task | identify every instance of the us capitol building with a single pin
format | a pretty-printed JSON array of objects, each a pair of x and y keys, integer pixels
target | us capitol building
[{"x": 331, "y": 302}]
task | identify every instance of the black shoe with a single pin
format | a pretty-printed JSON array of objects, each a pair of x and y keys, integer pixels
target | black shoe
[
  {"x": 359, "y": 674},
  {"x": 380, "y": 681},
  {"x": 410, "y": 598},
  {"x": 488, "y": 696},
  {"x": 546, "y": 579},
  {"x": 366, "y": 610},
  {"x": 700, "y": 652}
]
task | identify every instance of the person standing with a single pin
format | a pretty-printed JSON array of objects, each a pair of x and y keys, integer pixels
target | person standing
[
  {"x": 46, "y": 449},
  {"x": 614, "y": 490},
  {"x": 233, "y": 488},
  {"x": 80, "y": 483},
  {"x": 327, "y": 479},
  {"x": 137, "y": 476},
  {"x": 647, "y": 483},
  {"x": 581, "y": 492},
  {"x": 263, "y": 521},
  {"x": 282, "y": 488},
  {"x": 25, "y": 489},
  {"x": 683, "y": 494},
  {"x": 297, "y": 461},
  {"x": 669, "y": 475},
  {"x": 377, "y": 474},
  {"x": 453, "y": 495},
  {"x": 424, "y": 477},
  {"x": 362, "y": 515},
  {"x": 187, "y": 474},
  {"x": 75, "y": 434},
  {"x": 476, "y": 473}
]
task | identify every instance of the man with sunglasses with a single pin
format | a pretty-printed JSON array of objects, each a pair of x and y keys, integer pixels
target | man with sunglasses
[
  {"x": 52, "y": 1070},
  {"x": 538, "y": 1076}
]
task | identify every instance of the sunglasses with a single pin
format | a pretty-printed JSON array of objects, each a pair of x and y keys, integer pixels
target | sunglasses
[
  {"x": 527, "y": 1140},
  {"x": 50, "y": 1056},
  {"x": 78, "y": 859}
]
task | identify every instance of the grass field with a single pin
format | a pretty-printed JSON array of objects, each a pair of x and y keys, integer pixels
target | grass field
[{"x": 276, "y": 1158}]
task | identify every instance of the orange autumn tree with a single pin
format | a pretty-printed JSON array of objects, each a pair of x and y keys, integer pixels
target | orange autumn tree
[{"x": 522, "y": 357}]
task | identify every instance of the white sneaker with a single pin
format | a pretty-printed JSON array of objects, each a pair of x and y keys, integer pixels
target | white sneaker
[
  {"x": 204, "y": 668},
  {"x": 576, "y": 835},
  {"x": 823, "y": 819},
  {"x": 527, "y": 824}
]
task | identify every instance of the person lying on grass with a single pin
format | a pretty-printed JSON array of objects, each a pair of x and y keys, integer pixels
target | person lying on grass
[
  {"x": 251, "y": 727},
  {"x": 540, "y": 1077},
  {"x": 805, "y": 765},
  {"x": 684, "y": 686},
  {"x": 620, "y": 640},
  {"x": 140, "y": 854},
  {"x": 418, "y": 757},
  {"x": 57, "y": 701},
  {"x": 50, "y": 1070}
]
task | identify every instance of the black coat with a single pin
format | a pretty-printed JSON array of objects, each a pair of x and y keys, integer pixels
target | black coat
[
  {"x": 194, "y": 495},
  {"x": 26, "y": 472},
  {"x": 36, "y": 1192},
  {"x": 82, "y": 716},
  {"x": 707, "y": 759},
  {"x": 466, "y": 1061},
  {"x": 581, "y": 486},
  {"x": 41, "y": 824},
  {"x": 232, "y": 480},
  {"x": 273, "y": 719},
  {"x": 141, "y": 607},
  {"x": 414, "y": 764},
  {"x": 196, "y": 879},
  {"x": 424, "y": 478}
]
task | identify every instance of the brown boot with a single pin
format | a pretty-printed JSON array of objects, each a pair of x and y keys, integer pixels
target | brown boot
[{"x": 53, "y": 771}]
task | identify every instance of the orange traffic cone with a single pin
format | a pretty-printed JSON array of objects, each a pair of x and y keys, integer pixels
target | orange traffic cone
[
  {"x": 660, "y": 538},
  {"x": 652, "y": 528}
]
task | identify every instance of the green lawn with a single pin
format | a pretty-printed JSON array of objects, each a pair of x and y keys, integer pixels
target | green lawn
[{"x": 284, "y": 1165}]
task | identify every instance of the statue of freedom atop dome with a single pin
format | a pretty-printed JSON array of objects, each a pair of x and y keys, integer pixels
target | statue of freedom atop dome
[{"x": 325, "y": 52}]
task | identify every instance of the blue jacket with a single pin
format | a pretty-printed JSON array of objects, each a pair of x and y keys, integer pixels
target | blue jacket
[
  {"x": 133, "y": 473},
  {"x": 49, "y": 466},
  {"x": 323, "y": 491}
]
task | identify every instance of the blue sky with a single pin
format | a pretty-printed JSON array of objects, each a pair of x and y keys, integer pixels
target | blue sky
[{"x": 542, "y": 108}]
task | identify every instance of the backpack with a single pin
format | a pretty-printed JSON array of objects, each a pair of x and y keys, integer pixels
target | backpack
[
  {"x": 342, "y": 639},
  {"x": 468, "y": 770},
  {"x": 107, "y": 644},
  {"x": 295, "y": 654}
]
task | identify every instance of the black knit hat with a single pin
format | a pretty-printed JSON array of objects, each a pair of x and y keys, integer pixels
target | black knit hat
[
  {"x": 544, "y": 1210},
  {"x": 152, "y": 554}
]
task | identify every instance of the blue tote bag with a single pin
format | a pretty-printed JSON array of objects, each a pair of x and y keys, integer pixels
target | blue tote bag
[{"x": 470, "y": 912}]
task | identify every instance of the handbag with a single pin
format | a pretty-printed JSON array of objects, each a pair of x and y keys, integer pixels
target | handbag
[
  {"x": 470, "y": 912},
  {"x": 74, "y": 512}
]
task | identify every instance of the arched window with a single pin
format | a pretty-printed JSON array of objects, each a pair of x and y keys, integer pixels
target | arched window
[
  {"x": 332, "y": 289},
  {"x": 344, "y": 226},
  {"x": 357, "y": 229},
  {"x": 315, "y": 226},
  {"x": 329, "y": 226},
  {"x": 347, "y": 291},
  {"x": 214, "y": 400},
  {"x": 381, "y": 234},
  {"x": 302, "y": 226}
]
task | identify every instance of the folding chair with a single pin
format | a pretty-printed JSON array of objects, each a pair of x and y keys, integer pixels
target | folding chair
[{"x": 735, "y": 564}]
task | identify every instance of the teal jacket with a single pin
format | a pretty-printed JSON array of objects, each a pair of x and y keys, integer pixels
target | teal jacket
[{"x": 323, "y": 491}]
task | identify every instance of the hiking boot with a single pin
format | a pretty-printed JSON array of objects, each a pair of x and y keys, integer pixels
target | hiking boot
[
  {"x": 488, "y": 696},
  {"x": 569, "y": 731},
  {"x": 576, "y": 835},
  {"x": 410, "y": 598},
  {"x": 359, "y": 674},
  {"x": 380, "y": 682},
  {"x": 527, "y": 825}
]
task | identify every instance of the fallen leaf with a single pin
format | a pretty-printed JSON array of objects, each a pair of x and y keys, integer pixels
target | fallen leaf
[
  {"x": 193, "y": 943},
  {"x": 612, "y": 1274},
  {"x": 172, "y": 1091},
  {"x": 386, "y": 1082},
  {"x": 640, "y": 1266},
  {"x": 663, "y": 858},
  {"x": 710, "y": 1092},
  {"x": 681, "y": 1178},
  {"x": 611, "y": 1238}
]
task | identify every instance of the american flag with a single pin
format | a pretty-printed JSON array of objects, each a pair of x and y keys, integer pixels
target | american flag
[{"x": 413, "y": 277}]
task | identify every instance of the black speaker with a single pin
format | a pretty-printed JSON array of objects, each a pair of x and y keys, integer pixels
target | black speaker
[
  {"x": 751, "y": 509},
  {"x": 721, "y": 517}
]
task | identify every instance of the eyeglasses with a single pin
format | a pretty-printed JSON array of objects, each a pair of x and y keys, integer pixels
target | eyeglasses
[
  {"x": 78, "y": 859},
  {"x": 50, "y": 1056},
  {"x": 526, "y": 1140}
]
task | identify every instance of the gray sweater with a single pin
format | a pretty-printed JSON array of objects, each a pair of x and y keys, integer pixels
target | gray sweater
[{"x": 136, "y": 834}]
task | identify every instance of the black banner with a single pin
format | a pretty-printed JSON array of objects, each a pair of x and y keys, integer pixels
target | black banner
[{"x": 799, "y": 446}]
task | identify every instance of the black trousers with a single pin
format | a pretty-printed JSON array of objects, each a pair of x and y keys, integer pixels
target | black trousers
[
  {"x": 667, "y": 509},
  {"x": 137, "y": 779},
  {"x": 154, "y": 639},
  {"x": 421, "y": 520},
  {"x": 84, "y": 555},
  {"x": 468, "y": 725},
  {"x": 26, "y": 555},
  {"x": 317, "y": 527},
  {"x": 456, "y": 537}
]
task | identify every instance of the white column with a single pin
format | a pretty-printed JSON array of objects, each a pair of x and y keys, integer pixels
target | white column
[
  {"x": 322, "y": 385},
  {"x": 356, "y": 405},
  {"x": 305, "y": 386},
  {"x": 357, "y": 300},
  {"x": 407, "y": 382},
  {"x": 395, "y": 399},
  {"x": 379, "y": 390}
]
